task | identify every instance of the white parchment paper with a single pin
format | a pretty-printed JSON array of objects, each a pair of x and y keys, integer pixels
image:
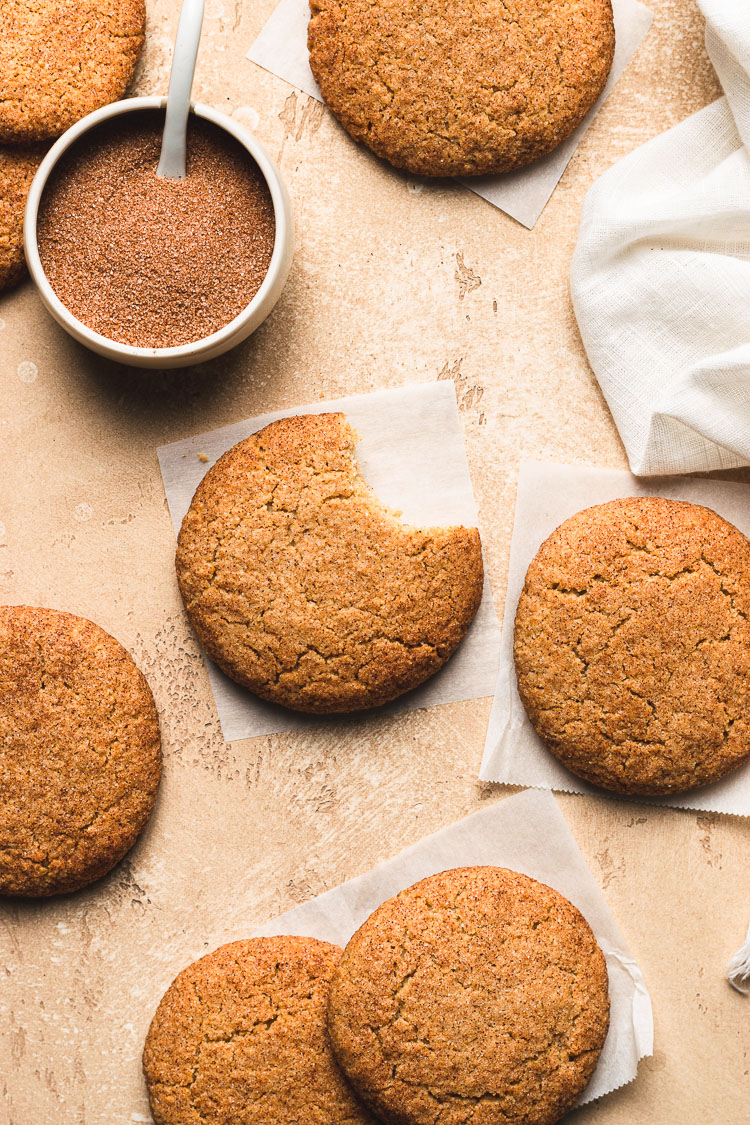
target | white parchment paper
[
  {"x": 547, "y": 495},
  {"x": 412, "y": 454},
  {"x": 527, "y": 833},
  {"x": 281, "y": 48}
]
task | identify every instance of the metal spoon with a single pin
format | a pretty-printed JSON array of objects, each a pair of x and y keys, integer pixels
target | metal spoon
[{"x": 174, "y": 140}]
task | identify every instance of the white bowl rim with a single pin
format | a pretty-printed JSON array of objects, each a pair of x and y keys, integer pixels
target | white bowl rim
[{"x": 131, "y": 105}]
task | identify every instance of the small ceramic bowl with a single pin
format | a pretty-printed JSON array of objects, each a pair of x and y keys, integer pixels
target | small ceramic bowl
[{"x": 218, "y": 342}]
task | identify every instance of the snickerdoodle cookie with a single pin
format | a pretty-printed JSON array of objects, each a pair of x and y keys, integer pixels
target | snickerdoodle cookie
[
  {"x": 17, "y": 168},
  {"x": 476, "y": 994},
  {"x": 61, "y": 59},
  {"x": 632, "y": 645},
  {"x": 80, "y": 756},
  {"x": 444, "y": 88},
  {"x": 240, "y": 1038},
  {"x": 305, "y": 589}
]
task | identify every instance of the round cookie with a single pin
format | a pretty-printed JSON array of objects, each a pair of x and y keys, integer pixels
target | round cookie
[
  {"x": 442, "y": 88},
  {"x": 62, "y": 60},
  {"x": 632, "y": 645},
  {"x": 17, "y": 168},
  {"x": 80, "y": 756},
  {"x": 240, "y": 1038},
  {"x": 476, "y": 994},
  {"x": 305, "y": 589}
]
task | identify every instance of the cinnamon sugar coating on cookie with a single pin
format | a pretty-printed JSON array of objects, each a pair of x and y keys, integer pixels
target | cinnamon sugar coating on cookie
[
  {"x": 240, "y": 1039},
  {"x": 632, "y": 645},
  {"x": 17, "y": 168},
  {"x": 443, "y": 88},
  {"x": 62, "y": 60},
  {"x": 305, "y": 589},
  {"x": 476, "y": 995},
  {"x": 80, "y": 755}
]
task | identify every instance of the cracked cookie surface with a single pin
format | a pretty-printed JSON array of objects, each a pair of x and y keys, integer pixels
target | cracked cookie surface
[
  {"x": 302, "y": 587},
  {"x": 632, "y": 645},
  {"x": 441, "y": 88},
  {"x": 80, "y": 755},
  {"x": 476, "y": 995},
  {"x": 62, "y": 60},
  {"x": 240, "y": 1038},
  {"x": 17, "y": 168}
]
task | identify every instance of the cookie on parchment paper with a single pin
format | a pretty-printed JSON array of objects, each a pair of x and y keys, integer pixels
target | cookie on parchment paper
[
  {"x": 304, "y": 588},
  {"x": 62, "y": 59},
  {"x": 80, "y": 755},
  {"x": 632, "y": 645},
  {"x": 17, "y": 168},
  {"x": 477, "y": 994},
  {"x": 442, "y": 88},
  {"x": 240, "y": 1039}
]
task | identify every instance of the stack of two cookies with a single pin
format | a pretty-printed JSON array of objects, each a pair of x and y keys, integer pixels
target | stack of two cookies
[
  {"x": 476, "y": 995},
  {"x": 58, "y": 62}
]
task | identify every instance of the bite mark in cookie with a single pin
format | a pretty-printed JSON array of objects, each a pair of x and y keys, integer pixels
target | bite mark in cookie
[{"x": 304, "y": 588}]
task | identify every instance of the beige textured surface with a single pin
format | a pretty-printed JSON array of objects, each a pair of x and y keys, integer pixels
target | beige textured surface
[{"x": 392, "y": 282}]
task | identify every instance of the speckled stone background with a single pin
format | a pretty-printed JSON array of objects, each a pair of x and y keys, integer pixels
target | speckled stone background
[{"x": 393, "y": 281}]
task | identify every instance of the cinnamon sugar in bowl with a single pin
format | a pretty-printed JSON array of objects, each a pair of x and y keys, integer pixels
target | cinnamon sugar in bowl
[{"x": 150, "y": 271}]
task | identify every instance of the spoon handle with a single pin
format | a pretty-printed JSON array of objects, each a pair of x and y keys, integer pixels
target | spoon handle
[{"x": 174, "y": 141}]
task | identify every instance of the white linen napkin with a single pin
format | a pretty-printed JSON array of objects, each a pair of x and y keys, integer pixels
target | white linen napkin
[{"x": 661, "y": 276}]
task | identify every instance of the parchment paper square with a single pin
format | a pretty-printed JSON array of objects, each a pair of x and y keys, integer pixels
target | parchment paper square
[
  {"x": 526, "y": 833},
  {"x": 547, "y": 495},
  {"x": 281, "y": 48},
  {"x": 411, "y": 452}
]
